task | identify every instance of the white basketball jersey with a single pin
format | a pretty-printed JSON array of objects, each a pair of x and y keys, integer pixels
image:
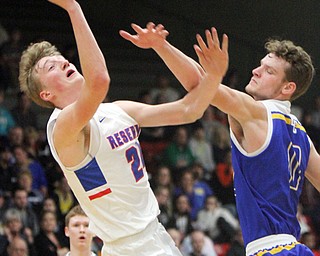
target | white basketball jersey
[{"x": 111, "y": 184}]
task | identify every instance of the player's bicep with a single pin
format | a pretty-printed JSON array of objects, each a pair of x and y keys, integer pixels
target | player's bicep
[
  {"x": 239, "y": 105},
  {"x": 313, "y": 170}
]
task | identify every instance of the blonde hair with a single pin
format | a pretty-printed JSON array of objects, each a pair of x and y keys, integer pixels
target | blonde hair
[
  {"x": 75, "y": 211},
  {"x": 29, "y": 82}
]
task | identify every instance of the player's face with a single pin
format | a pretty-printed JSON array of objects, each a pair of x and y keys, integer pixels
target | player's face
[
  {"x": 78, "y": 231},
  {"x": 268, "y": 79},
  {"x": 59, "y": 77}
]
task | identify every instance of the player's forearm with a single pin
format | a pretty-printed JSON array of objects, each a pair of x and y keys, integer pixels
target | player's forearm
[
  {"x": 186, "y": 70},
  {"x": 92, "y": 61},
  {"x": 200, "y": 97}
]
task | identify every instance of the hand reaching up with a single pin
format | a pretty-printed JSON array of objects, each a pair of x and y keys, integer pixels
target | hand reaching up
[
  {"x": 213, "y": 58},
  {"x": 150, "y": 37}
]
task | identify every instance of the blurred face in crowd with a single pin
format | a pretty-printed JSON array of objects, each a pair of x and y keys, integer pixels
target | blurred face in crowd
[
  {"x": 18, "y": 247},
  {"x": 21, "y": 199}
]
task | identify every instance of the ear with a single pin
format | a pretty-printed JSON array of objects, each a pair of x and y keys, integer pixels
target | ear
[
  {"x": 66, "y": 231},
  {"x": 45, "y": 95},
  {"x": 289, "y": 88}
]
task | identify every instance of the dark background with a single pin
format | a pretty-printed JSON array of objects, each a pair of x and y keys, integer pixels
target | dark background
[{"x": 248, "y": 24}]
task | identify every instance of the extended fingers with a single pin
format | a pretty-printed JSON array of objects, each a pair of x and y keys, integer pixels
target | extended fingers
[
  {"x": 225, "y": 43},
  {"x": 136, "y": 28},
  {"x": 201, "y": 43}
]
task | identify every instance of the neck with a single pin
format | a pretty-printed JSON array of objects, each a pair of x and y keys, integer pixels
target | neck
[{"x": 80, "y": 252}]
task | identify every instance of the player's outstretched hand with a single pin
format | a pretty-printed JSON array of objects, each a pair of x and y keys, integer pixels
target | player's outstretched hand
[
  {"x": 152, "y": 36},
  {"x": 213, "y": 58}
]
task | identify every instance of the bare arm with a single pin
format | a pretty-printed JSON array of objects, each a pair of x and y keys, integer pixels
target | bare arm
[
  {"x": 193, "y": 105},
  {"x": 187, "y": 71},
  {"x": 74, "y": 118},
  {"x": 313, "y": 170}
]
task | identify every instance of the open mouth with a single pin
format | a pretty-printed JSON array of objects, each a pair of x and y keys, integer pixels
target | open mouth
[{"x": 70, "y": 73}]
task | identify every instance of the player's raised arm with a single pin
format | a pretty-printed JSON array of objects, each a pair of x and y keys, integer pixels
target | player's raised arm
[
  {"x": 187, "y": 71},
  {"x": 192, "y": 106}
]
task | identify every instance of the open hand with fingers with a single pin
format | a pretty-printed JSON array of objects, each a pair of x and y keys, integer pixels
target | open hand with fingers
[
  {"x": 152, "y": 36},
  {"x": 213, "y": 58}
]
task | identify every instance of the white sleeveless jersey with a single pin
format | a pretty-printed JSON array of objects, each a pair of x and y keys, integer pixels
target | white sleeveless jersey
[{"x": 111, "y": 184}]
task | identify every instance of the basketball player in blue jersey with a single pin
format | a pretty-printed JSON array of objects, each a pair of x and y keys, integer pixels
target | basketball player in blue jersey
[
  {"x": 96, "y": 144},
  {"x": 271, "y": 151}
]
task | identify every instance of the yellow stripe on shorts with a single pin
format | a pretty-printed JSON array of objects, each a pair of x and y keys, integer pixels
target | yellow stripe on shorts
[{"x": 277, "y": 249}]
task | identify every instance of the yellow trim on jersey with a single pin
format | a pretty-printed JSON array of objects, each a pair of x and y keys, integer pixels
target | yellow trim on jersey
[
  {"x": 287, "y": 120},
  {"x": 278, "y": 249}
]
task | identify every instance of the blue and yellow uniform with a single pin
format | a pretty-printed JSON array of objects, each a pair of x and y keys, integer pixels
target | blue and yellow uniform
[{"x": 268, "y": 184}]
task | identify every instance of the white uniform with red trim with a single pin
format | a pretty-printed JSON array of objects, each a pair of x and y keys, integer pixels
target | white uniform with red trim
[{"x": 111, "y": 184}]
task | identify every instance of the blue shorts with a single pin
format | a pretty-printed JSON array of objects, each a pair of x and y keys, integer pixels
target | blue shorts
[{"x": 293, "y": 249}]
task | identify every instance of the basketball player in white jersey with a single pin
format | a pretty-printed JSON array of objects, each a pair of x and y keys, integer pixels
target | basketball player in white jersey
[
  {"x": 96, "y": 144},
  {"x": 80, "y": 237}
]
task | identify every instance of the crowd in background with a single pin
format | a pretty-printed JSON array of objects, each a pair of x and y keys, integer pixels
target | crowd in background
[{"x": 189, "y": 169}]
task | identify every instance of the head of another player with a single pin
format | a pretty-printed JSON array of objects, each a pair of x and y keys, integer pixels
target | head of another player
[
  {"x": 285, "y": 73},
  {"x": 77, "y": 228}
]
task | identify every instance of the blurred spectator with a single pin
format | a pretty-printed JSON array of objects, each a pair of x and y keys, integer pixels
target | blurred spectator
[
  {"x": 178, "y": 155},
  {"x": 315, "y": 112},
  {"x": 310, "y": 240},
  {"x": 222, "y": 183},
  {"x": 23, "y": 112},
  {"x": 6, "y": 118},
  {"x": 18, "y": 247},
  {"x": 4, "y": 37},
  {"x": 32, "y": 142},
  {"x": 209, "y": 123},
  {"x": 28, "y": 216},
  {"x": 202, "y": 150},
  {"x": 311, "y": 129},
  {"x": 49, "y": 204},
  {"x": 24, "y": 162},
  {"x": 163, "y": 197},
  {"x": 220, "y": 143},
  {"x": 15, "y": 137},
  {"x": 163, "y": 178},
  {"x": 63, "y": 196},
  {"x": 14, "y": 229},
  {"x": 176, "y": 236},
  {"x": 3, "y": 209},
  {"x": 310, "y": 201},
  {"x": 181, "y": 219},
  {"x": 237, "y": 245},
  {"x": 197, "y": 244},
  {"x": 196, "y": 191},
  {"x": 50, "y": 241},
  {"x": 304, "y": 220},
  {"x": 35, "y": 197},
  {"x": 8, "y": 177},
  {"x": 216, "y": 221},
  {"x": 11, "y": 51},
  {"x": 163, "y": 91}
]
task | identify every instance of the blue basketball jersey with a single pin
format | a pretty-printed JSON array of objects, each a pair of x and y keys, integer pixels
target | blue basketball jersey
[{"x": 268, "y": 182}]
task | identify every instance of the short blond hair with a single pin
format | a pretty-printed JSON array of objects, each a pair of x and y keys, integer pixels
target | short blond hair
[
  {"x": 29, "y": 83},
  {"x": 75, "y": 211}
]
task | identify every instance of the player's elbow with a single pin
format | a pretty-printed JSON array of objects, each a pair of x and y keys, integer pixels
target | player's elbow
[
  {"x": 101, "y": 81},
  {"x": 191, "y": 115}
]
